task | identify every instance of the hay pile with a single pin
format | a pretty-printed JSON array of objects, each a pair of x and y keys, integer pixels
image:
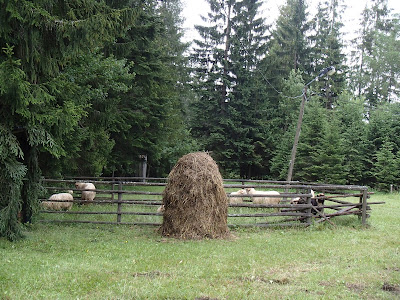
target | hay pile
[{"x": 196, "y": 205}]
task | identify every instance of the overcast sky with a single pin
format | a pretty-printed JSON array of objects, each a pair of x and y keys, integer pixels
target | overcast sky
[{"x": 192, "y": 9}]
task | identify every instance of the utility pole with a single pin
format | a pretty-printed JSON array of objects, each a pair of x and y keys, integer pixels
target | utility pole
[
  {"x": 327, "y": 71},
  {"x": 296, "y": 137}
]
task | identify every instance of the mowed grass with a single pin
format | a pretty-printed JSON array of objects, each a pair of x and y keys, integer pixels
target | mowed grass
[{"x": 86, "y": 261}]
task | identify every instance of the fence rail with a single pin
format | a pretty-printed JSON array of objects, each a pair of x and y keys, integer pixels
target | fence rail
[{"x": 133, "y": 201}]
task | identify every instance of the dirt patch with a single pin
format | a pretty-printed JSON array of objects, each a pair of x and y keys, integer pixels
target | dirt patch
[
  {"x": 357, "y": 288},
  {"x": 265, "y": 279},
  {"x": 393, "y": 288},
  {"x": 326, "y": 283},
  {"x": 151, "y": 274}
]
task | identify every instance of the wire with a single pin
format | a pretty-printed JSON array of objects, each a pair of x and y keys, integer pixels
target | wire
[{"x": 328, "y": 70}]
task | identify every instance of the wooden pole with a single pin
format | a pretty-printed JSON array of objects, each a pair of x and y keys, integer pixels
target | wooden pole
[
  {"x": 309, "y": 219},
  {"x": 112, "y": 187},
  {"x": 297, "y": 136},
  {"x": 296, "y": 140},
  {"x": 119, "y": 207},
  {"x": 364, "y": 208}
]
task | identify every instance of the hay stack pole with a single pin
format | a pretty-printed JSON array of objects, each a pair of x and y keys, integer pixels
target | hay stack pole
[{"x": 196, "y": 205}]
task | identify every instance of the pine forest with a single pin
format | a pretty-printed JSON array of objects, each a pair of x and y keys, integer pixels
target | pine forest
[{"x": 90, "y": 87}]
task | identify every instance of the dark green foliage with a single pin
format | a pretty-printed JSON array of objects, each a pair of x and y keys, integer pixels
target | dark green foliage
[
  {"x": 357, "y": 147},
  {"x": 327, "y": 50},
  {"x": 332, "y": 153},
  {"x": 376, "y": 59},
  {"x": 96, "y": 84},
  {"x": 308, "y": 164},
  {"x": 289, "y": 107},
  {"x": 386, "y": 167},
  {"x": 27, "y": 116},
  {"x": 289, "y": 49},
  {"x": 229, "y": 113},
  {"x": 44, "y": 39},
  {"x": 12, "y": 173},
  {"x": 153, "y": 108}
]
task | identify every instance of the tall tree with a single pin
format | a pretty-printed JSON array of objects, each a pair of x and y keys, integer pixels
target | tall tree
[
  {"x": 153, "y": 110},
  {"x": 43, "y": 37},
  {"x": 228, "y": 116},
  {"x": 320, "y": 155},
  {"x": 289, "y": 48},
  {"x": 327, "y": 50},
  {"x": 386, "y": 167},
  {"x": 351, "y": 114},
  {"x": 375, "y": 60},
  {"x": 289, "y": 107}
]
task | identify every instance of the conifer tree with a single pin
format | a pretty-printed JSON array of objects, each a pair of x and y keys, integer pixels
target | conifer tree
[
  {"x": 351, "y": 114},
  {"x": 386, "y": 167},
  {"x": 289, "y": 46},
  {"x": 331, "y": 154},
  {"x": 41, "y": 38},
  {"x": 327, "y": 50},
  {"x": 228, "y": 116},
  {"x": 308, "y": 163},
  {"x": 153, "y": 110},
  {"x": 289, "y": 106},
  {"x": 375, "y": 60}
]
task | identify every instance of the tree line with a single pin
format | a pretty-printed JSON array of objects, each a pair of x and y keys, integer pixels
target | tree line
[{"x": 89, "y": 87}]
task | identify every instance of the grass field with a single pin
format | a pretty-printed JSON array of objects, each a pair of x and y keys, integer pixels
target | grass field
[{"x": 85, "y": 261}]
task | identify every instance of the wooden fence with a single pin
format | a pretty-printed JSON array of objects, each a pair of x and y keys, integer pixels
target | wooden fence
[{"x": 134, "y": 201}]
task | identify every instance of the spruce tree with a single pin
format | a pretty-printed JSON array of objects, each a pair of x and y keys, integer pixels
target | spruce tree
[
  {"x": 41, "y": 39},
  {"x": 307, "y": 166},
  {"x": 351, "y": 114},
  {"x": 327, "y": 50},
  {"x": 228, "y": 116},
  {"x": 289, "y": 48},
  {"x": 331, "y": 153},
  {"x": 289, "y": 106},
  {"x": 208, "y": 110},
  {"x": 376, "y": 56},
  {"x": 386, "y": 167},
  {"x": 153, "y": 110}
]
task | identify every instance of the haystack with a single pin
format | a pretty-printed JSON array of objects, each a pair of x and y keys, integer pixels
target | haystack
[{"x": 196, "y": 205}]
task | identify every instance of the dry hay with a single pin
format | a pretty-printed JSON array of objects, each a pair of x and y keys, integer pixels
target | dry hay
[{"x": 195, "y": 202}]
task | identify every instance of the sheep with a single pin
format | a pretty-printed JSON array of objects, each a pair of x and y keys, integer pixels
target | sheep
[
  {"x": 237, "y": 200},
  {"x": 55, "y": 205},
  {"x": 87, "y": 196},
  {"x": 317, "y": 201},
  {"x": 264, "y": 200},
  {"x": 161, "y": 209}
]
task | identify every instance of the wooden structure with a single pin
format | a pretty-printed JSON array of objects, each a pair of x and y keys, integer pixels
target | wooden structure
[{"x": 131, "y": 201}]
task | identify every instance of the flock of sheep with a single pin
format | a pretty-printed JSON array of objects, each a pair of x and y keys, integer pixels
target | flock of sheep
[
  {"x": 64, "y": 201},
  {"x": 272, "y": 198},
  {"x": 257, "y": 197}
]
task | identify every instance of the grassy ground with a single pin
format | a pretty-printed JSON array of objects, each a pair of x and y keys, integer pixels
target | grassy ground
[{"x": 128, "y": 262}]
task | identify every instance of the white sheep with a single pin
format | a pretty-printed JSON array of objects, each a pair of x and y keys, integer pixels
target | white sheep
[
  {"x": 265, "y": 199},
  {"x": 87, "y": 196},
  {"x": 161, "y": 209},
  {"x": 55, "y": 205},
  {"x": 237, "y": 200},
  {"x": 302, "y": 200}
]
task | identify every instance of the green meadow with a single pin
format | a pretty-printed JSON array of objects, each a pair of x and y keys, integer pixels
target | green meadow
[{"x": 324, "y": 261}]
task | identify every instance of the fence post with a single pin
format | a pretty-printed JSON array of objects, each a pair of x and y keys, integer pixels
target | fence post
[
  {"x": 364, "y": 207},
  {"x": 308, "y": 210},
  {"x": 112, "y": 187},
  {"x": 119, "y": 205}
]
